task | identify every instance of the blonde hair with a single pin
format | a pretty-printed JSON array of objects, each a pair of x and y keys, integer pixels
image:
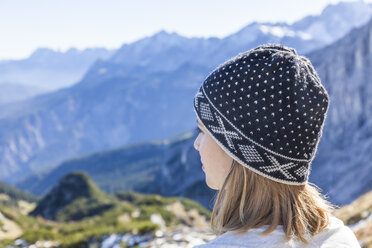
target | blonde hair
[{"x": 247, "y": 200}]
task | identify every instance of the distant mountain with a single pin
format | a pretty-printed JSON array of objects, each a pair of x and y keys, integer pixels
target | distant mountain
[
  {"x": 167, "y": 51},
  {"x": 73, "y": 198},
  {"x": 11, "y": 92},
  {"x": 48, "y": 70},
  {"x": 151, "y": 81},
  {"x": 42, "y": 132},
  {"x": 135, "y": 167},
  {"x": 335, "y": 21},
  {"x": 169, "y": 167}
]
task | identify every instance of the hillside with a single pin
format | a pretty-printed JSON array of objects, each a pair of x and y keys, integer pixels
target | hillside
[
  {"x": 13, "y": 197},
  {"x": 135, "y": 218},
  {"x": 16, "y": 194},
  {"x": 19, "y": 201},
  {"x": 73, "y": 198}
]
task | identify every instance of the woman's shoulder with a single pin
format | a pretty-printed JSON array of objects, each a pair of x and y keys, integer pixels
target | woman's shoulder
[
  {"x": 335, "y": 235},
  {"x": 253, "y": 238}
]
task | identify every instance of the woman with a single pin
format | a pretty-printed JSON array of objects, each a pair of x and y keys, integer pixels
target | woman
[{"x": 260, "y": 116}]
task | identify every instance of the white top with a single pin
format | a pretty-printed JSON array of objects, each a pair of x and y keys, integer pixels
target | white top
[{"x": 335, "y": 235}]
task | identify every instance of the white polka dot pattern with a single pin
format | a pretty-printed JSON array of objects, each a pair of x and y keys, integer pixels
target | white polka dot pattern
[{"x": 266, "y": 107}]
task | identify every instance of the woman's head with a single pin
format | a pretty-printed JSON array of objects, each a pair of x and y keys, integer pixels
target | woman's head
[
  {"x": 261, "y": 115},
  {"x": 266, "y": 108}
]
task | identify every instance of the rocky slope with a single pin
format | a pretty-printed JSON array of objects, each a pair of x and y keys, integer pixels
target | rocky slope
[{"x": 344, "y": 151}]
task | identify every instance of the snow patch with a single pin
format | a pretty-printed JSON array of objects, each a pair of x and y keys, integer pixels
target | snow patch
[{"x": 284, "y": 31}]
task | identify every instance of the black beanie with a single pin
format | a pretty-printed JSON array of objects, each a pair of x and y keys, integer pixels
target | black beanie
[{"x": 266, "y": 108}]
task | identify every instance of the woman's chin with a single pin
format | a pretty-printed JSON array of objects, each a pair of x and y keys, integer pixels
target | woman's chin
[{"x": 210, "y": 185}]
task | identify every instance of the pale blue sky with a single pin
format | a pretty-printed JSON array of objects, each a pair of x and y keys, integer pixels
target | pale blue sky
[{"x": 26, "y": 25}]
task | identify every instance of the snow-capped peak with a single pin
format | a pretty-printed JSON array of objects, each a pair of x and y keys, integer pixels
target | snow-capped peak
[{"x": 281, "y": 31}]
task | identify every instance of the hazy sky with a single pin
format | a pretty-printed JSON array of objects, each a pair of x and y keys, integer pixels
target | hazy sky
[{"x": 26, "y": 25}]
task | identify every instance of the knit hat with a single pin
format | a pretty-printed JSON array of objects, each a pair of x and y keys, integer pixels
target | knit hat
[{"x": 266, "y": 108}]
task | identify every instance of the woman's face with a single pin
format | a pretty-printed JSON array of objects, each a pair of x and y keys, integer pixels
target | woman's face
[{"x": 216, "y": 162}]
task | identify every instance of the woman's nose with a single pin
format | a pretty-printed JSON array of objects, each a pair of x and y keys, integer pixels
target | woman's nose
[{"x": 196, "y": 143}]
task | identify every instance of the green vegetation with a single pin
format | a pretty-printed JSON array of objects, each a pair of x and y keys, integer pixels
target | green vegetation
[
  {"x": 76, "y": 234},
  {"x": 75, "y": 197},
  {"x": 16, "y": 194},
  {"x": 31, "y": 236},
  {"x": 86, "y": 213},
  {"x": 190, "y": 204},
  {"x": 5, "y": 242},
  {"x": 81, "y": 208},
  {"x": 157, "y": 200},
  {"x": 9, "y": 196}
]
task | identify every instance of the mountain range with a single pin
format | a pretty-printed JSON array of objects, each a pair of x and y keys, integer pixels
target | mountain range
[
  {"x": 144, "y": 92},
  {"x": 45, "y": 70},
  {"x": 168, "y": 167}
]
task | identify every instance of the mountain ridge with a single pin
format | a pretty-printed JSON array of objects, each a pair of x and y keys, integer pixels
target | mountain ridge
[{"x": 91, "y": 116}]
